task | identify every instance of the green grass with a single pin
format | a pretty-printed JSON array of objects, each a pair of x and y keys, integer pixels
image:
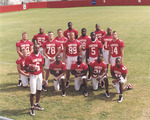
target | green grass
[{"x": 132, "y": 24}]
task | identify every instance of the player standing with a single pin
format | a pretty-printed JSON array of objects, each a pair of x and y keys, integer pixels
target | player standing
[
  {"x": 116, "y": 49},
  {"x": 99, "y": 73},
  {"x": 40, "y": 38},
  {"x": 72, "y": 48},
  {"x": 24, "y": 43},
  {"x": 79, "y": 70},
  {"x": 36, "y": 77},
  {"x": 20, "y": 66},
  {"x": 57, "y": 69},
  {"x": 119, "y": 73},
  {"x": 93, "y": 48},
  {"x": 106, "y": 41},
  {"x": 99, "y": 32},
  {"x": 51, "y": 48},
  {"x": 61, "y": 39},
  {"x": 84, "y": 40},
  {"x": 70, "y": 29}
]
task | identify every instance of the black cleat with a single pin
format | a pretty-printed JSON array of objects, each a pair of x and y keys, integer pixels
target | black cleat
[
  {"x": 19, "y": 83},
  {"x": 32, "y": 113},
  {"x": 107, "y": 94},
  {"x": 37, "y": 107},
  {"x": 67, "y": 84},
  {"x": 120, "y": 98},
  {"x": 44, "y": 88}
]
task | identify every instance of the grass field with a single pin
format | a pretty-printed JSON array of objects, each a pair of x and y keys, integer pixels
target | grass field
[{"x": 133, "y": 26}]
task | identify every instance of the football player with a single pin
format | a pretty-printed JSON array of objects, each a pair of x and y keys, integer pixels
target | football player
[
  {"x": 36, "y": 77},
  {"x": 119, "y": 73},
  {"x": 98, "y": 70},
  {"x": 79, "y": 70},
  {"x": 99, "y": 32},
  {"x": 51, "y": 48},
  {"x": 116, "y": 49},
  {"x": 61, "y": 39},
  {"x": 72, "y": 49},
  {"x": 57, "y": 69},
  {"x": 40, "y": 38},
  {"x": 20, "y": 66},
  {"x": 84, "y": 40},
  {"x": 70, "y": 29}
]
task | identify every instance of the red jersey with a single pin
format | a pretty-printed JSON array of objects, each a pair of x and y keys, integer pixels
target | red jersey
[
  {"x": 66, "y": 32},
  {"x": 94, "y": 47},
  {"x": 83, "y": 41},
  {"x": 57, "y": 68},
  {"x": 79, "y": 68},
  {"x": 100, "y": 34},
  {"x": 62, "y": 41},
  {"x": 98, "y": 67},
  {"x": 106, "y": 41},
  {"x": 21, "y": 62},
  {"x": 118, "y": 71},
  {"x": 40, "y": 39},
  {"x": 51, "y": 47},
  {"x": 72, "y": 47},
  {"x": 24, "y": 45},
  {"x": 37, "y": 60},
  {"x": 115, "y": 47}
]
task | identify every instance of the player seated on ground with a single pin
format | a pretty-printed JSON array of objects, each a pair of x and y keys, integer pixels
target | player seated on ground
[
  {"x": 79, "y": 70},
  {"x": 34, "y": 64},
  {"x": 99, "y": 73},
  {"x": 119, "y": 73},
  {"x": 57, "y": 69},
  {"x": 20, "y": 66}
]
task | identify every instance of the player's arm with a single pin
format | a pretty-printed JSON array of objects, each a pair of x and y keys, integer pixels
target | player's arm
[
  {"x": 61, "y": 74},
  {"x": 73, "y": 72},
  {"x": 64, "y": 54},
  {"x": 26, "y": 68},
  {"x": 87, "y": 56},
  {"x": 76, "y": 36},
  {"x": 53, "y": 72},
  {"x": 18, "y": 51},
  {"x": 21, "y": 71},
  {"x": 42, "y": 67},
  {"x": 33, "y": 40},
  {"x": 100, "y": 50},
  {"x": 109, "y": 55},
  {"x": 122, "y": 54},
  {"x": 31, "y": 47},
  {"x": 84, "y": 72},
  {"x": 44, "y": 52},
  {"x": 58, "y": 50},
  {"x": 103, "y": 74},
  {"x": 80, "y": 50},
  {"x": 124, "y": 75}
]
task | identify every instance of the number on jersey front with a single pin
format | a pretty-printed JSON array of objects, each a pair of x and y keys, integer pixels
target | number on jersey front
[
  {"x": 38, "y": 66},
  {"x": 115, "y": 50},
  {"x": 72, "y": 50},
  {"x": 93, "y": 52},
  {"x": 51, "y": 50}
]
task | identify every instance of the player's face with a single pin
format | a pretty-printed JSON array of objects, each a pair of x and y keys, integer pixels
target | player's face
[
  {"x": 36, "y": 49},
  {"x": 93, "y": 36},
  {"x": 60, "y": 33},
  {"x": 71, "y": 36},
  {"x": 24, "y": 36},
  {"x": 58, "y": 58},
  {"x": 83, "y": 32},
  {"x": 50, "y": 36},
  {"x": 100, "y": 57},
  {"x": 109, "y": 30},
  {"x": 118, "y": 63},
  {"x": 97, "y": 27},
  {"x": 79, "y": 59},
  {"x": 115, "y": 35},
  {"x": 41, "y": 30},
  {"x": 70, "y": 25}
]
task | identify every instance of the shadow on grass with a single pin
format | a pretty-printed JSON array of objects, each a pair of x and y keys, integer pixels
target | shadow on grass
[
  {"x": 13, "y": 73},
  {"x": 18, "y": 112}
]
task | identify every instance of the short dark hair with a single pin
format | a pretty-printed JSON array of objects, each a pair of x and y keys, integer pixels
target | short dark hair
[
  {"x": 83, "y": 29},
  {"x": 50, "y": 32},
  {"x": 59, "y": 29}
]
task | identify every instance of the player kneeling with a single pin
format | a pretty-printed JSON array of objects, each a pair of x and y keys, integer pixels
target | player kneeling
[
  {"x": 119, "y": 72},
  {"x": 79, "y": 70},
  {"x": 20, "y": 66},
  {"x": 58, "y": 68},
  {"x": 99, "y": 73},
  {"x": 34, "y": 64}
]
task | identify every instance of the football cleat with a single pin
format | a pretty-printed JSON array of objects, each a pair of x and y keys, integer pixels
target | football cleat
[
  {"x": 63, "y": 93},
  {"x": 44, "y": 88},
  {"x": 102, "y": 84},
  {"x": 37, "y": 107},
  {"x": 32, "y": 113},
  {"x": 86, "y": 93},
  {"x": 129, "y": 86},
  {"x": 107, "y": 94},
  {"x": 67, "y": 84},
  {"x": 19, "y": 83},
  {"x": 120, "y": 98}
]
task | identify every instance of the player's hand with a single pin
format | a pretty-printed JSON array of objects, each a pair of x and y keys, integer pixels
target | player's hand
[{"x": 27, "y": 75}]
